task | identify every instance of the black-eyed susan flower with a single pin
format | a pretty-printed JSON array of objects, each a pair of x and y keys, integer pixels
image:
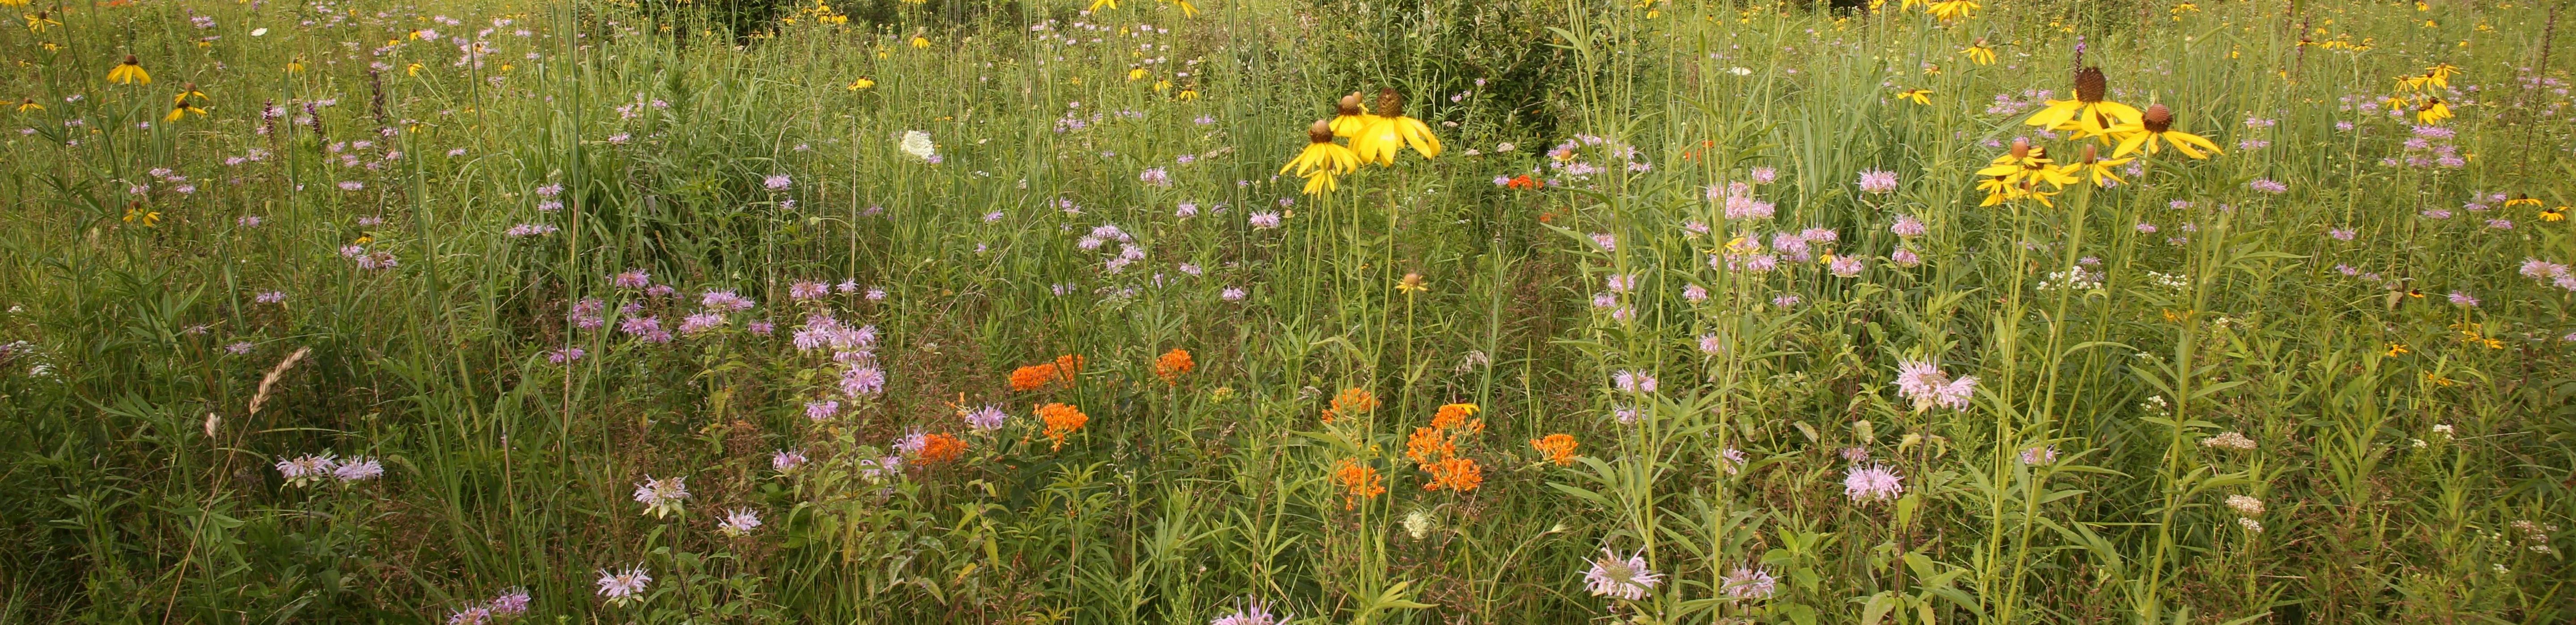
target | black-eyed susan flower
[
  {"x": 1349, "y": 119},
  {"x": 29, "y": 105},
  {"x": 862, "y": 83},
  {"x": 1393, "y": 131},
  {"x": 1918, "y": 96},
  {"x": 2432, "y": 112},
  {"x": 2521, "y": 200},
  {"x": 2088, "y": 114},
  {"x": 1322, "y": 160},
  {"x": 181, "y": 109},
  {"x": 2556, "y": 213},
  {"x": 189, "y": 92},
  {"x": 1979, "y": 53},
  {"x": 1096, "y": 5},
  {"x": 39, "y": 21},
  {"x": 129, "y": 72},
  {"x": 1952, "y": 10},
  {"x": 2439, "y": 75},
  {"x": 2017, "y": 175},
  {"x": 2096, "y": 169},
  {"x": 2154, "y": 129}
]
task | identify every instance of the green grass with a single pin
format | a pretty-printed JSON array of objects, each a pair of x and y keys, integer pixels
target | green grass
[{"x": 2412, "y": 457}]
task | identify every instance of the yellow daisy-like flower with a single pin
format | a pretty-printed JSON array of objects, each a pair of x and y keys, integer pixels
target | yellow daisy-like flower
[
  {"x": 1186, "y": 9},
  {"x": 2154, "y": 129},
  {"x": 2521, "y": 200},
  {"x": 1097, "y": 4},
  {"x": 1321, "y": 154},
  {"x": 181, "y": 110},
  {"x": 1953, "y": 10},
  {"x": 1979, "y": 53},
  {"x": 2017, "y": 175},
  {"x": 412, "y": 70},
  {"x": 2558, "y": 213},
  {"x": 38, "y": 21},
  {"x": 13, "y": 3},
  {"x": 138, "y": 216},
  {"x": 189, "y": 91},
  {"x": 1349, "y": 119},
  {"x": 29, "y": 105},
  {"x": 2439, "y": 75},
  {"x": 2088, "y": 114},
  {"x": 862, "y": 83},
  {"x": 919, "y": 42},
  {"x": 129, "y": 72},
  {"x": 1919, "y": 96},
  {"x": 1392, "y": 132},
  {"x": 2098, "y": 170},
  {"x": 2432, "y": 112}
]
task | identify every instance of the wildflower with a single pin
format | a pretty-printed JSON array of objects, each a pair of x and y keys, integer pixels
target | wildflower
[
  {"x": 1319, "y": 162},
  {"x": 308, "y": 469},
  {"x": 1633, "y": 382},
  {"x": 1925, "y": 384},
  {"x": 739, "y": 522},
  {"x": 1061, "y": 420},
  {"x": 29, "y": 105},
  {"x": 662, "y": 496},
  {"x": 1252, "y": 612},
  {"x": 1391, "y": 132},
  {"x": 1558, "y": 447},
  {"x": 623, "y": 588},
  {"x": 1359, "y": 482},
  {"x": 778, "y": 182},
  {"x": 2256, "y": 527},
  {"x": 1748, "y": 583},
  {"x": 1844, "y": 266},
  {"x": 1350, "y": 402},
  {"x": 1457, "y": 474},
  {"x": 1033, "y": 377},
  {"x": 940, "y": 447},
  {"x": 2040, "y": 455},
  {"x": 862, "y": 82},
  {"x": 2432, "y": 112},
  {"x": 1348, "y": 118},
  {"x": 1625, "y": 578},
  {"x": 2463, "y": 300},
  {"x": 917, "y": 144},
  {"x": 1907, "y": 226},
  {"x": 2229, "y": 440},
  {"x": 358, "y": 469},
  {"x": 1873, "y": 483},
  {"x": 1952, "y": 10},
  {"x": 2267, "y": 185},
  {"x": 1918, "y": 96},
  {"x": 2097, "y": 169},
  {"x": 1172, "y": 364},
  {"x": 1411, "y": 283},
  {"x": 786, "y": 460},
  {"x": 181, "y": 110},
  {"x": 129, "y": 72},
  {"x": 1155, "y": 176},
  {"x": 2088, "y": 114},
  {"x": 2245, "y": 505},
  {"x": 1878, "y": 181},
  {"x": 1979, "y": 53}
]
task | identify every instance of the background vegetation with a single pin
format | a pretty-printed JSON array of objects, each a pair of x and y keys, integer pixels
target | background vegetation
[{"x": 375, "y": 232}]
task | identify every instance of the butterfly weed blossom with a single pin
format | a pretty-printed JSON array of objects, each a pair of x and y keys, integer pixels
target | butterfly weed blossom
[{"x": 1061, "y": 420}]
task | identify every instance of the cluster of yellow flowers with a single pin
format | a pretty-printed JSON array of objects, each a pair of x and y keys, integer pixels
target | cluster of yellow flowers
[
  {"x": 1947, "y": 11},
  {"x": 2429, "y": 109},
  {"x": 2020, "y": 174},
  {"x": 1374, "y": 139}
]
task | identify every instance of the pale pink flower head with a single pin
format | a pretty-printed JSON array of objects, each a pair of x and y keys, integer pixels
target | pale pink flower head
[
  {"x": 1927, "y": 386},
  {"x": 1878, "y": 181},
  {"x": 1626, "y": 578},
  {"x": 1872, "y": 483}
]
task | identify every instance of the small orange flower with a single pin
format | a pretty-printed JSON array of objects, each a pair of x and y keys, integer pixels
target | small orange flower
[
  {"x": 1454, "y": 416},
  {"x": 1351, "y": 402},
  {"x": 1037, "y": 376},
  {"x": 1173, "y": 364},
  {"x": 1524, "y": 182},
  {"x": 1458, "y": 474},
  {"x": 1558, "y": 447},
  {"x": 941, "y": 447},
  {"x": 1426, "y": 444},
  {"x": 1359, "y": 482},
  {"x": 1061, "y": 420}
]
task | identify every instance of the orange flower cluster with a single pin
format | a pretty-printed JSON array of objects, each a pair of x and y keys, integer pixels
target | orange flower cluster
[
  {"x": 1351, "y": 402},
  {"x": 941, "y": 447},
  {"x": 1173, "y": 364},
  {"x": 1061, "y": 420},
  {"x": 1037, "y": 376},
  {"x": 1558, "y": 447},
  {"x": 1359, "y": 482},
  {"x": 1435, "y": 449}
]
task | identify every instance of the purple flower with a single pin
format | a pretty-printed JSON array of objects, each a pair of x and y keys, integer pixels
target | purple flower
[
  {"x": 2463, "y": 300},
  {"x": 1877, "y": 181},
  {"x": 862, "y": 380},
  {"x": 1786, "y": 300},
  {"x": 786, "y": 460},
  {"x": 1748, "y": 583},
  {"x": 760, "y": 327},
  {"x": 1873, "y": 483},
  {"x": 307, "y": 469},
  {"x": 1633, "y": 382},
  {"x": 1251, "y": 613},
  {"x": 623, "y": 588},
  {"x": 1155, "y": 176},
  {"x": 662, "y": 496},
  {"x": 1265, "y": 220},
  {"x": 1608, "y": 242},
  {"x": 1712, "y": 345},
  {"x": 821, "y": 410},
  {"x": 723, "y": 300},
  {"x": 1764, "y": 175},
  {"x": 2340, "y": 234},
  {"x": 1905, "y": 257},
  {"x": 2268, "y": 185},
  {"x": 985, "y": 419},
  {"x": 2040, "y": 455},
  {"x": 1626, "y": 578},
  {"x": 1694, "y": 293},
  {"x": 1231, "y": 294},
  {"x": 238, "y": 348},
  {"x": 701, "y": 322},
  {"x": 1925, "y": 384},
  {"x": 1907, "y": 226},
  {"x": 1845, "y": 266},
  {"x": 738, "y": 522},
  {"x": 358, "y": 469},
  {"x": 565, "y": 355},
  {"x": 778, "y": 182},
  {"x": 631, "y": 279},
  {"x": 271, "y": 297},
  {"x": 512, "y": 602}
]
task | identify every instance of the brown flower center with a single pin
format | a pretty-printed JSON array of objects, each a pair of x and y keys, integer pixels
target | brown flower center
[{"x": 2090, "y": 84}]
